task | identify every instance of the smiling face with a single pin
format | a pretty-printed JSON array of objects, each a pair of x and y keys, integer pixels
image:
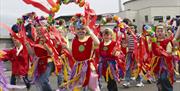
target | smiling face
[
  {"x": 107, "y": 35},
  {"x": 80, "y": 32},
  {"x": 160, "y": 33}
]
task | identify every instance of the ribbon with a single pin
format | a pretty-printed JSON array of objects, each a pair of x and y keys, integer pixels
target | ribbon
[
  {"x": 91, "y": 17},
  {"x": 38, "y": 5},
  {"x": 56, "y": 61}
]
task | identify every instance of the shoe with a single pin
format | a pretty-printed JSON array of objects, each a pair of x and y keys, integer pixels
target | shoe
[
  {"x": 133, "y": 78},
  {"x": 149, "y": 81},
  {"x": 126, "y": 85},
  {"x": 27, "y": 83},
  {"x": 140, "y": 84}
]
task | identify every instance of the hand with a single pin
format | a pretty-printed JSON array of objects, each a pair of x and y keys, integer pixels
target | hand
[
  {"x": 175, "y": 43},
  {"x": 117, "y": 53}
]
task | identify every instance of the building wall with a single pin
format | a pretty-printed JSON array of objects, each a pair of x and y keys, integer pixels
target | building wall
[
  {"x": 141, "y": 17},
  {"x": 139, "y": 4},
  {"x": 5, "y": 43},
  {"x": 128, "y": 14},
  {"x": 164, "y": 11},
  {"x": 151, "y": 8}
]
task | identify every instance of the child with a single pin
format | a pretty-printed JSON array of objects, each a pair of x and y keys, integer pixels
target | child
[
  {"x": 20, "y": 62},
  {"x": 83, "y": 73},
  {"x": 108, "y": 57},
  {"x": 130, "y": 61},
  {"x": 163, "y": 64}
]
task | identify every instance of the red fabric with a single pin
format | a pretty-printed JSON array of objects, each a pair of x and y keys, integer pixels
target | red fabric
[
  {"x": 160, "y": 50},
  {"x": 70, "y": 58},
  {"x": 164, "y": 43},
  {"x": 20, "y": 66},
  {"x": 91, "y": 16},
  {"x": 49, "y": 43},
  {"x": 96, "y": 53},
  {"x": 59, "y": 49},
  {"x": 107, "y": 53},
  {"x": 124, "y": 50},
  {"x": 147, "y": 61},
  {"x": 88, "y": 74},
  {"x": 80, "y": 56},
  {"x": 53, "y": 4},
  {"x": 43, "y": 58},
  {"x": 38, "y": 5}
]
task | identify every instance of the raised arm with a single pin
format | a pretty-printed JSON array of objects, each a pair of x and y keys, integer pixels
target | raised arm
[{"x": 93, "y": 36}]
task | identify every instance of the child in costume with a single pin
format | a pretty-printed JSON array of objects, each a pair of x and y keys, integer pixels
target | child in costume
[
  {"x": 42, "y": 67},
  {"x": 108, "y": 66},
  {"x": 83, "y": 74},
  {"x": 131, "y": 61},
  {"x": 20, "y": 62},
  {"x": 163, "y": 64},
  {"x": 148, "y": 56}
]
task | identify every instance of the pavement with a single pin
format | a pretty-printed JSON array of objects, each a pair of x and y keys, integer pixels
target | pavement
[{"x": 147, "y": 87}]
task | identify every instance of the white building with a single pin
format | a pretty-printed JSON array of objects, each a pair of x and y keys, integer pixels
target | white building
[{"x": 150, "y": 11}]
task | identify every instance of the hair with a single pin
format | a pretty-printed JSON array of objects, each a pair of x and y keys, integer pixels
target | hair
[
  {"x": 161, "y": 24},
  {"x": 135, "y": 27},
  {"x": 15, "y": 28},
  {"x": 110, "y": 31},
  {"x": 127, "y": 21}
]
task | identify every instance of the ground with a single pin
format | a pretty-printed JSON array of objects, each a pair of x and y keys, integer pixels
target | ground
[{"x": 147, "y": 87}]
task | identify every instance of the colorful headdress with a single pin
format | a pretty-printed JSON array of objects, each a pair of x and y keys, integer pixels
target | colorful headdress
[{"x": 78, "y": 21}]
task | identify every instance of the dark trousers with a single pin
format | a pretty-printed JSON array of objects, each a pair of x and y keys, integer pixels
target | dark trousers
[
  {"x": 25, "y": 79},
  {"x": 163, "y": 83},
  {"x": 111, "y": 85},
  {"x": 44, "y": 78}
]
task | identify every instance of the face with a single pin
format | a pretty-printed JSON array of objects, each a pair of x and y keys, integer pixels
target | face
[
  {"x": 160, "y": 33},
  {"x": 107, "y": 36},
  {"x": 16, "y": 42},
  {"x": 132, "y": 28},
  {"x": 123, "y": 43},
  {"x": 169, "y": 32},
  {"x": 81, "y": 32}
]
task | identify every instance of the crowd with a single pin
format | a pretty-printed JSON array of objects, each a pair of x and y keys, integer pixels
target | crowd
[{"x": 82, "y": 53}]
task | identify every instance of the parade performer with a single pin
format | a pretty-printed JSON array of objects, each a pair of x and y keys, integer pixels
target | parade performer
[
  {"x": 19, "y": 58},
  {"x": 132, "y": 62},
  {"x": 83, "y": 72},
  {"x": 148, "y": 56},
  {"x": 108, "y": 66},
  {"x": 162, "y": 62},
  {"x": 129, "y": 60},
  {"x": 42, "y": 63}
]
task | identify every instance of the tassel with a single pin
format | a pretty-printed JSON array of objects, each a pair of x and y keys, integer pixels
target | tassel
[{"x": 107, "y": 71}]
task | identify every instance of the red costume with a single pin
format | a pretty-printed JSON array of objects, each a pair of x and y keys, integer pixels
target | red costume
[
  {"x": 20, "y": 65},
  {"x": 159, "y": 50},
  {"x": 106, "y": 51},
  {"x": 82, "y": 50},
  {"x": 43, "y": 58}
]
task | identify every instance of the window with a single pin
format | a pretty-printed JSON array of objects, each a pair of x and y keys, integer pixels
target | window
[
  {"x": 158, "y": 18},
  {"x": 146, "y": 18}
]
